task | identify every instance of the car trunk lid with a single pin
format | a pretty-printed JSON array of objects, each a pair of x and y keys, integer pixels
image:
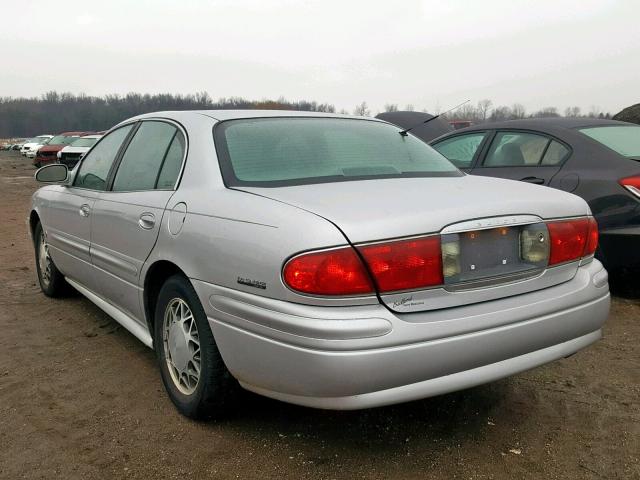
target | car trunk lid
[
  {"x": 373, "y": 210},
  {"x": 382, "y": 210}
]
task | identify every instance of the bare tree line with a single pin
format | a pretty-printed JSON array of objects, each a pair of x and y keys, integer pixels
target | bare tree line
[
  {"x": 485, "y": 111},
  {"x": 55, "y": 112}
]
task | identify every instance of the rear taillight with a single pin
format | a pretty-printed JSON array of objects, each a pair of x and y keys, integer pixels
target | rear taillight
[
  {"x": 399, "y": 265},
  {"x": 330, "y": 272},
  {"x": 405, "y": 264},
  {"x": 572, "y": 239},
  {"x": 632, "y": 184},
  {"x": 425, "y": 261}
]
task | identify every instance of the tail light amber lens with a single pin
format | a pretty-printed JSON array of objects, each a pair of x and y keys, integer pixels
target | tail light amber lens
[
  {"x": 405, "y": 264},
  {"x": 332, "y": 272}
]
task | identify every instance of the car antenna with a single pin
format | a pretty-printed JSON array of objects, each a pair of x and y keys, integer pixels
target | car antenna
[{"x": 404, "y": 132}]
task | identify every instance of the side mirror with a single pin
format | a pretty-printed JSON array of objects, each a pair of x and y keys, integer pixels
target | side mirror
[{"x": 55, "y": 173}]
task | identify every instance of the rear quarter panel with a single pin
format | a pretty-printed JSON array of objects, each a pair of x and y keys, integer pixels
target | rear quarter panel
[{"x": 230, "y": 238}]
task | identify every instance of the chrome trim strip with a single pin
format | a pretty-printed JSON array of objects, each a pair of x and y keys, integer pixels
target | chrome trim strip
[
  {"x": 114, "y": 312},
  {"x": 71, "y": 243},
  {"x": 494, "y": 281},
  {"x": 241, "y": 314},
  {"x": 112, "y": 259},
  {"x": 492, "y": 222}
]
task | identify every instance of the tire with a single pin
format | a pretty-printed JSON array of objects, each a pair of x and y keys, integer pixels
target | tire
[
  {"x": 52, "y": 282},
  {"x": 215, "y": 389}
]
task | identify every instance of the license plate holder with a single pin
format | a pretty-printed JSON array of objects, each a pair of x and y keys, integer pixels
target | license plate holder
[{"x": 481, "y": 254}]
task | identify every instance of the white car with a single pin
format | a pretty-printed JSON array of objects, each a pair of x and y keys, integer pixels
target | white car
[
  {"x": 31, "y": 146},
  {"x": 71, "y": 154}
]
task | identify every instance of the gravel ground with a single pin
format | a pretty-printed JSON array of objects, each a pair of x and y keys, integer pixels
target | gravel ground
[{"x": 82, "y": 398}]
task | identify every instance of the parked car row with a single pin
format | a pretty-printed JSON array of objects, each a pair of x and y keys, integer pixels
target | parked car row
[
  {"x": 49, "y": 153},
  {"x": 12, "y": 145},
  {"x": 66, "y": 147},
  {"x": 31, "y": 146},
  {"x": 71, "y": 154}
]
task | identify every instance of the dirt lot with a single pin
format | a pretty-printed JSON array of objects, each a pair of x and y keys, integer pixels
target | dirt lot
[{"x": 81, "y": 398}]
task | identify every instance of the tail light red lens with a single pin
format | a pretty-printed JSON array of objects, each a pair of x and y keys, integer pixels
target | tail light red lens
[
  {"x": 632, "y": 184},
  {"x": 332, "y": 272},
  {"x": 572, "y": 239},
  {"x": 592, "y": 241},
  {"x": 405, "y": 264}
]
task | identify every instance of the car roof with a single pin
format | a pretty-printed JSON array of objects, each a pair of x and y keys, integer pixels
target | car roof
[
  {"x": 553, "y": 123},
  {"x": 93, "y": 135},
  {"x": 238, "y": 114}
]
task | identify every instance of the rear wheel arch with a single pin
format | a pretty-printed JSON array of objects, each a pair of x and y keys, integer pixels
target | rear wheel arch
[
  {"x": 157, "y": 274},
  {"x": 34, "y": 220}
]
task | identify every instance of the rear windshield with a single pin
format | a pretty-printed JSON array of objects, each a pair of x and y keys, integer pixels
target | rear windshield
[
  {"x": 623, "y": 139},
  {"x": 271, "y": 152},
  {"x": 84, "y": 142}
]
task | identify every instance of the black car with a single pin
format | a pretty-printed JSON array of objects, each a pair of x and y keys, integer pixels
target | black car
[{"x": 598, "y": 160}]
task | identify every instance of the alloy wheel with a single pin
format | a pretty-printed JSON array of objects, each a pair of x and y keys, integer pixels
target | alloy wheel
[
  {"x": 44, "y": 261},
  {"x": 181, "y": 346}
]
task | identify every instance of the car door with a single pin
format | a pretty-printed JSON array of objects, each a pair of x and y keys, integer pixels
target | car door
[
  {"x": 462, "y": 150},
  {"x": 69, "y": 210},
  {"x": 127, "y": 216},
  {"x": 522, "y": 155}
]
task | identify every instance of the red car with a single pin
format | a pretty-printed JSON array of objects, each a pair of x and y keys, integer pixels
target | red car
[{"x": 47, "y": 153}]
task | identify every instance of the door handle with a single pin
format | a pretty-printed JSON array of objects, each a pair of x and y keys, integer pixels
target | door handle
[
  {"x": 536, "y": 180},
  {"x": 147, "y": 221},
  {"x": 85, "y": 210}
]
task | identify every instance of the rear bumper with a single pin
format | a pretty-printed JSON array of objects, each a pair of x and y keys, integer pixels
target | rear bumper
[
  {"x": 621, "y": 247},
  {"x": 366, "y": 356}
]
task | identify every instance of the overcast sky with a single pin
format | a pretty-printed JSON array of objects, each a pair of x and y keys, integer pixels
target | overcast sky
[{"x": 432, "y": 54}]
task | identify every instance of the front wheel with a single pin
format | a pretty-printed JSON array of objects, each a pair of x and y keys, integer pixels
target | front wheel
[{"x": 192, "y": 369}]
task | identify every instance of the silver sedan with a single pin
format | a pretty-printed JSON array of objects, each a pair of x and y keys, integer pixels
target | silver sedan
[{"x": 323, "y": 260}]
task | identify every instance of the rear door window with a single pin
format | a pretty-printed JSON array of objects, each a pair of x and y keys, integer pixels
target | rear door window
[
  {"x": 555, "y": 154},
  {"x": 516, "y": 149},
  {"x": 143, "y": 160},
  {"x": 461, "y": 150},
  {"x": 172, "y": 163}
]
